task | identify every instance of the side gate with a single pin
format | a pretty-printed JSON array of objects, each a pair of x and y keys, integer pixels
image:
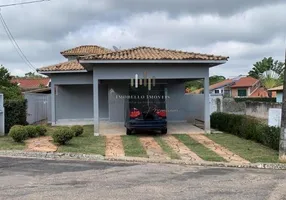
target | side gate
[{"x": 38, "y": 107}]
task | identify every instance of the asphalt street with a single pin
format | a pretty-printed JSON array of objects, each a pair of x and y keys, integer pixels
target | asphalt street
[{"x": 46, "y": 179}]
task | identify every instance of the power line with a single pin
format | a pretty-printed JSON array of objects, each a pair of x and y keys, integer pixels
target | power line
[
  {"x": 15, "y": 44},
  {"x": 22, "y": 3}
]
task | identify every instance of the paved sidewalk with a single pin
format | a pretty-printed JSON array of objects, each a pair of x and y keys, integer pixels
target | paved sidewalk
[
  {"x": 184, "y": 152},
  {"x": 114, "y": 146},
  {"x": 218, "y": 149},
  {"x": 153, "y": 149},
  {"x": 41, "y": 144}
]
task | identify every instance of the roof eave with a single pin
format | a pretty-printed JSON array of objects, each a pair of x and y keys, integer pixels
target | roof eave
[
  {"x": 216, "y": 62},
  {"x": 241, "y": 86},
  {"x": 66, "y": 71}
]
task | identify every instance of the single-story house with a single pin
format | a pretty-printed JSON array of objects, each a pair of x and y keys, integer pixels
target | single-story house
[
  {"x": 240, "y": 86},
  {"x": 248, "y": 87},
  {"x": 27, "y": 84},
  {"x": 222, "y": 87},
  {"x": 279, "y": 93},
  {"x": 94, "y": 84}
]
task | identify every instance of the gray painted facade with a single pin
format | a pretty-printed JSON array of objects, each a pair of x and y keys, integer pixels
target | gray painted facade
[{"x": 88, "y": 97}]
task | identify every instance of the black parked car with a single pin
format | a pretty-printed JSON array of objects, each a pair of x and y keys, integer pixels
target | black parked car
[{"x": 146, "y": 113}]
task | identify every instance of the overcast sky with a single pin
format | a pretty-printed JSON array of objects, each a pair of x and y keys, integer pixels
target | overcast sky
[{"x": 244, "y": 30}]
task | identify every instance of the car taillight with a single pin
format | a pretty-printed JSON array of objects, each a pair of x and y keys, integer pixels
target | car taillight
[
  {"x": 161, "y": 113},
  {"x": 134, "y": 113}
]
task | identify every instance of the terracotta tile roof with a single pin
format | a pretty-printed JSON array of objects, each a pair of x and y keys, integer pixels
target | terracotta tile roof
[
  {"x": 260, "y": 92},
  {"x": 276, "y": 88},
  {"x": 151, "y": 53},
  {"x": 65, "y": 66},
  {"x": 245, "y": 82},
  {"x": 85, "y": 50},
  {"x": 214, "y": 86},
  {"x": 28, "y": 83},
  {"x": 221, "y": 84}
]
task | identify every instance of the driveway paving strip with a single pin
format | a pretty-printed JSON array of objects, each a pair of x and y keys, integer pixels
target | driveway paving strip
[
  {"x": 184, "y": 152},
  {"x": 218, "y": 149},
  {"x": 114, "y": 146},
  {"x": 153, "y": 149}
]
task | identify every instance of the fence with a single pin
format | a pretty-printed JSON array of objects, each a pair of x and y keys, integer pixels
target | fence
[{"x": 38, "y": 107}]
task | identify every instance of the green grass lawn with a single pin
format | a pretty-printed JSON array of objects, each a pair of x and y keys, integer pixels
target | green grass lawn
[
  {"x": 86, "y": 143},
  {"x": 247, "y": 149},
  {"x": 199, "y": 149},
  {"x": 166, "y": 148},
  {"x": 7, "y": 143},
  {"x": 132, "y": 146}
]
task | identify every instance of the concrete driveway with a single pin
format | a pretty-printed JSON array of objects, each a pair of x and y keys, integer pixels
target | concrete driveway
[
  {"x": 44, "y": 179},
  {"x": 112, "y": 128}
]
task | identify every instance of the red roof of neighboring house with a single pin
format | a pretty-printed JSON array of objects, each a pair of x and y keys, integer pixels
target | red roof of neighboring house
[
  {"x": 28, "y": 83},
  {"x": 260, "y": 92},
  {"x": 245, "y": 82}
]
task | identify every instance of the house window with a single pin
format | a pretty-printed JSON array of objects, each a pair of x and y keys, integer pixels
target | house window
[
  {"x": 241, "y": 92},
  {"x": 216, "y": 91}
]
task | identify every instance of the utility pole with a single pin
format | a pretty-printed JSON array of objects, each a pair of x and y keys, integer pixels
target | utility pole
[{"x": 282, "y": 144}]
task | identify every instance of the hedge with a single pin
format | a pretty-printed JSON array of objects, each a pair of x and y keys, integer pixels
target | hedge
[
  {"x": 62, "y": 135},
  {"x": 246, "y": 127},
  {"x": 243, "y": 99},
  {"x": 15, "y": 113}
]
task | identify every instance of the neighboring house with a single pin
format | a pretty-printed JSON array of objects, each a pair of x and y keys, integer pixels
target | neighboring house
[
  {"x": 279, "y": 93},
  {"x": 27, "y": 84},
  {"x": 248, "y": 87},
  {"x": 95, "y": 82},
  {"x": 222, "y": 87},
  {"x": 237, "y": 87}
]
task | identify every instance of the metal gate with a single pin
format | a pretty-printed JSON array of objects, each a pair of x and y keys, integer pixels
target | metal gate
[
  {"x": 2, "y": 115},
  {"x": 216, "y": 103},
  {"x": 38, "y": 107}
]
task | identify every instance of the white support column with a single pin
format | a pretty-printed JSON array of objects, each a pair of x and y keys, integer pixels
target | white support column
[
  {"x": 95, "y": 106},
  {"x": 53, "y": 104},
  {"x": 207, "y": 105}
]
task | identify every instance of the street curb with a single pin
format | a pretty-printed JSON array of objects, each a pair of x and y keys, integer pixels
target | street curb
[
  {"x": 52, "y": 155},
  {"x": 95, "y": 157},
  {"x": 276, "y": 166}
]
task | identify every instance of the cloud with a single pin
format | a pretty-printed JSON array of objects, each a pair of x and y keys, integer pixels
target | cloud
[{"x": 244, "y": 30}]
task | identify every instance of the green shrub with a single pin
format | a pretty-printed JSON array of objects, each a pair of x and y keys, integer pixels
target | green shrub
[
  {"x": 41, "y": 130},
  {"x": 32, "y": 131},
  {"x": 18, "y": 133},
  {"x": 62, "y": 135},
  {"x": 15, "y": 113},
  {"x": 246, "y": 127},
  {"x": 77, "y": 130}
]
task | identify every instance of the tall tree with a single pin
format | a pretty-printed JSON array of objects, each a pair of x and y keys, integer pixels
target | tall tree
[
  {"x": 10, "y": 90},
  {"x": 33, "y": 75},
  {"x": 216, "y": 79},
  {"x": 270, "y": 79},
  {"x": 198, "y": 84},
  {"x": 266, "y": 64},
  {"x": 5, "y": 77}
]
